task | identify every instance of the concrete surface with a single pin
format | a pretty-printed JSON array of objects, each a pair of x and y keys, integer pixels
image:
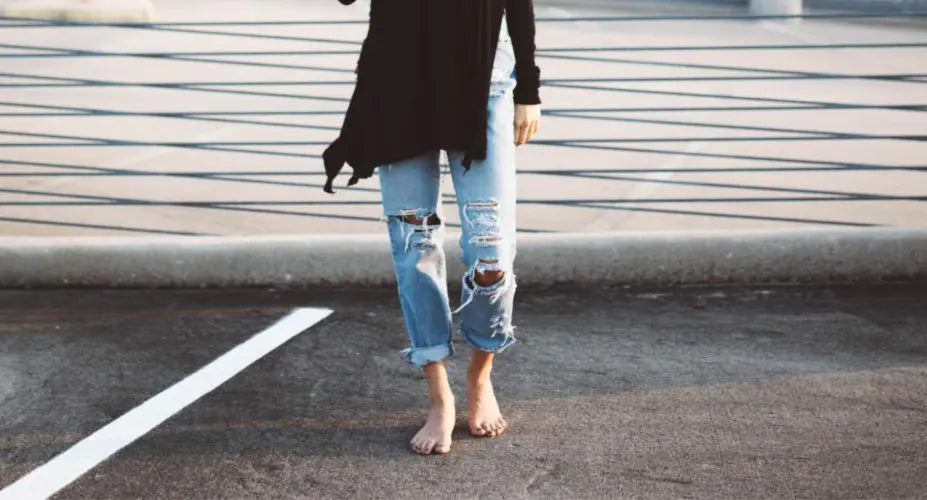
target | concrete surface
[
  {"x": 670, "y": 138},
  {"x": 902, "y": 6},
  {"x": 646, "y": 257},
  {"x": 105, "y": 11},
  {"x": 776, "y": 7},
  {"x": 687, "y": 392}
]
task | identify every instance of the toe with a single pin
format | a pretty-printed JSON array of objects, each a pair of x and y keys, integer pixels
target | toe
[
  {"x": 420, "y": 445},
  {"x": 442, "y": 448}
]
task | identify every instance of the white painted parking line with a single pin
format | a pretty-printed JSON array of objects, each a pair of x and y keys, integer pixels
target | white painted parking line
[{"x": 97, "y": 447}]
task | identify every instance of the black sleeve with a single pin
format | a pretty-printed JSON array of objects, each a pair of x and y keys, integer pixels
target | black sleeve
[{"x": 519, "y": 17}]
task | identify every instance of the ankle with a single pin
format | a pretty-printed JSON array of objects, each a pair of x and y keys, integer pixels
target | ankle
[
  {"x": 480, "y": 367},
  {"x": 440, "y": 393},
  {"x": 434, "y": 371},
  {"x": 479, "y": 381},
  {"x": 441, "y": 397}
]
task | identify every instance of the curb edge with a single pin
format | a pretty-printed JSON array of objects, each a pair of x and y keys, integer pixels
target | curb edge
[{"x": 362, "y": 260}]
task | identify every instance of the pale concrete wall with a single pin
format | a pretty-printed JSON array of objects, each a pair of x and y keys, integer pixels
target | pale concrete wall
[{"x": 776, "y": 7}]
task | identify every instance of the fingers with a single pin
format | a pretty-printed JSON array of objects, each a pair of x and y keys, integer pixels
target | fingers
[
  {"x": 533, "y": 129},
  {"x": 520, "y": 132},
  {"x": 527, "y": 122},
  {"x": 525, "y": 130}
]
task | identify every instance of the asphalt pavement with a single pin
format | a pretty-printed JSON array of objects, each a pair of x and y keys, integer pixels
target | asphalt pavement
[{"x": 686, "y": 392}]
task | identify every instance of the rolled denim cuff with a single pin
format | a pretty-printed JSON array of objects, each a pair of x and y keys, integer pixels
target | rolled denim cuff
[
  {"x": 496, "y": 344},
  {"x": 420, "y": 356}
]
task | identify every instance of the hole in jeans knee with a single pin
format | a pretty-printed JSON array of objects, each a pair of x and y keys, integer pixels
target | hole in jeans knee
[
  {"x": 411, "y": 216},
  {"x": 414, "y": 219},
  {"x": 425, "y": 232},
  {"x": 487, "y": 277}
]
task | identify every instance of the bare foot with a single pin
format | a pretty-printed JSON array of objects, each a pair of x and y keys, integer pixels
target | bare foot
[
  {"x": 435, "y": 435},
  {"x": 484, "y": 417}
]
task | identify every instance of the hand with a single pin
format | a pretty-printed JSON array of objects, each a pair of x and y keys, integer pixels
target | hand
[{"x": 527, "y": 121}]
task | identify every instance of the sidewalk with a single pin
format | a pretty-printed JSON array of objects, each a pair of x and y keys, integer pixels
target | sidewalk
[
  {"x": 632, "y": 140},
  {"x": 107, "y": 11}
]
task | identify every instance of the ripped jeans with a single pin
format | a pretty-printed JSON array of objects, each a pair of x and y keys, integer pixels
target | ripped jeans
[{"x": 486, "y": 203}]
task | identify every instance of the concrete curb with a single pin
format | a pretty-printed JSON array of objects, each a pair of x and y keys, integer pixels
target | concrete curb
[
  {"x": 104, "y": 11},
  {"x": 634, "y": 258}
]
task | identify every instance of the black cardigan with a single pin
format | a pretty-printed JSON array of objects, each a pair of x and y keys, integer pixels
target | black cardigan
[{"x": 423, "y": 80}]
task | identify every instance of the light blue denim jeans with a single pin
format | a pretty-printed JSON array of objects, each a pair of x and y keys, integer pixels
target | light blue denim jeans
[{"x": 486, "y": 202}]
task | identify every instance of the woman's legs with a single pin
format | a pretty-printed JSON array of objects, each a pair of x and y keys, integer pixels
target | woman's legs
[
  {"x": 409, "y": 191},
  {"x": 435, "y": 435},
  {"x": 486, "y": 202},
  {"x": 483, "y": 417}
]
